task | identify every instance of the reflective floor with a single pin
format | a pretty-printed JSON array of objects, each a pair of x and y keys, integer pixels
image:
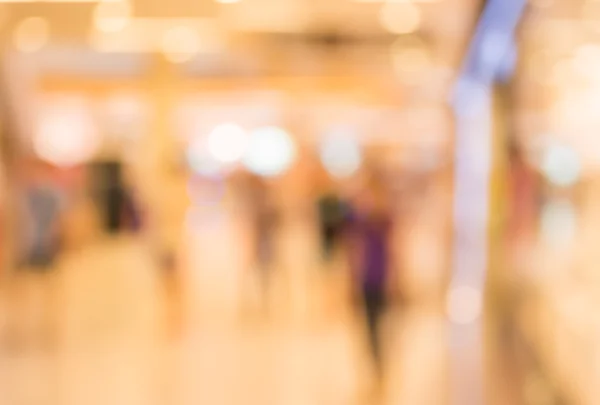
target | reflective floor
[{"x": 107, "y": 327}]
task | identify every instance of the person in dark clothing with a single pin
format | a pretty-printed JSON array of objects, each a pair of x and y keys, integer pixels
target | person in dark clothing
[
  {"x": 331, "y": 220},
  {"x": 369, "y": 234},
  {"x": 39, "y": 241},
  {"x": 263, "y": 220},
  {"x": 43, "y": 207}
]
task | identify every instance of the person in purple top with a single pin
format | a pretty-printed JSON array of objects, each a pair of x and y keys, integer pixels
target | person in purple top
[{"x": 369, "y": 229}]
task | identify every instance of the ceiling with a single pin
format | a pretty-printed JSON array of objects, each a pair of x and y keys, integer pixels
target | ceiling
[{"x": 274, "y": 30}]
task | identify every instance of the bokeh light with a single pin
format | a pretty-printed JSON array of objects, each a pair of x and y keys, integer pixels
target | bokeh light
[
  {"x": 227, "y": 143},
  {"x": 112, "y": 15},
  {"x": 271, "y": 151},
  {"x": 31, "y": 34},
  {"x": 66, "y": 136},
  {"x": 341, "y": 155},
  {"x": 400, "y": 17},
  {"x": 561, "y": 165}
]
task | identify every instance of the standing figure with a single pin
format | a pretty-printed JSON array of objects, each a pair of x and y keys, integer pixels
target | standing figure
[
  {"x": 262, "y": 226},
  {"x": 369, "y": 237},
  {"x": 169, "y": 222},
  {"x": 40, "y": 240},
  {"x": 331, "y": 219}
]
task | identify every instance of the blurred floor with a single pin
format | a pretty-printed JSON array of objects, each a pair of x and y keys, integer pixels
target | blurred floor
[{"x": 114, "y": 344}]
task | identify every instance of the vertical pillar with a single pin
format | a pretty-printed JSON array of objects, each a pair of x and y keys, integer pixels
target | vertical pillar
[
  {"x": 470, "y": 258},
  {"x": 158, "y": 146}
]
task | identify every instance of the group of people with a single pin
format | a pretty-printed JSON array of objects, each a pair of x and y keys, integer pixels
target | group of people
[{"x": 357, "y": 227}]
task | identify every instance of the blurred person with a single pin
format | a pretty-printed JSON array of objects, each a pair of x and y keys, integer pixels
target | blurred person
[
  {"x": 171, "y": 210},
  {"x": 133, "y": 220},
  {"x": 524, "y": 199},
  {"x": 42, "y": 207},
  {"x": 115, "y": 195},
  {"x": 263, "y": 219},
  {"x": 368, "y": 235},
  {"x": 132, "y": 210},
  {"x": 331, "y": 210}
]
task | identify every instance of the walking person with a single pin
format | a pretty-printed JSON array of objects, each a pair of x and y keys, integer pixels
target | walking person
[
  {"x": 260, "y": 219},
  {"x": 40, "y": 237},
  {"x": 331, "y": 216},
  {"x": 369, "y": 238},
  {"x": 169, "y": 221}
]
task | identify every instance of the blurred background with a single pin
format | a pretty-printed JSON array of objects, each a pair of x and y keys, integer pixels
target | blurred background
[{"x": 299, "y": 202}]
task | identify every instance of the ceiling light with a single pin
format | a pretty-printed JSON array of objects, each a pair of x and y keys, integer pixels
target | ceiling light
[
  {"x": 112, "y": 16},
  {"x": 271, "y": 152},
  {"x": 561, "y": 165},
  {"x": 227, "y": 143},
  {"x": 341, "y": 155},
  {"x": 66, "y": 135},
  {"x": 400, "y": 18},
  {"x": 31, "y": 34}
]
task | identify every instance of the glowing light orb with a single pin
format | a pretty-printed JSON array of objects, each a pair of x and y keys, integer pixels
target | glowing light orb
[
  {"x": 227, "y": 143},
  {"x": 31, "y": 34},
  {"x": 341, "y": 156},
  {"x": 271, "y": 151},
  {"x": 561, "y": 165},
  {"x": 66, "y": 136}
]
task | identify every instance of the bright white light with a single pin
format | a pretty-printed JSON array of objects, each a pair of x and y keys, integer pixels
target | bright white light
[
  {"x": 271, "y": 151},
  {"x": 400, "y": 17},
  {"x": 201, "y": 161},
  {"x": 66, "y": 136},
  {"x": 464, "y": 305},
  {"x": 227, "y": 143},
  {"x": 561, "y": 165},
  {"x": 31, "y": 34},
  {"x": 112, "y": 16},
  {"x": 559, "y": 223},
  {"x": 180, "y": 43},
  {"x": 341, "y": 156}
]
